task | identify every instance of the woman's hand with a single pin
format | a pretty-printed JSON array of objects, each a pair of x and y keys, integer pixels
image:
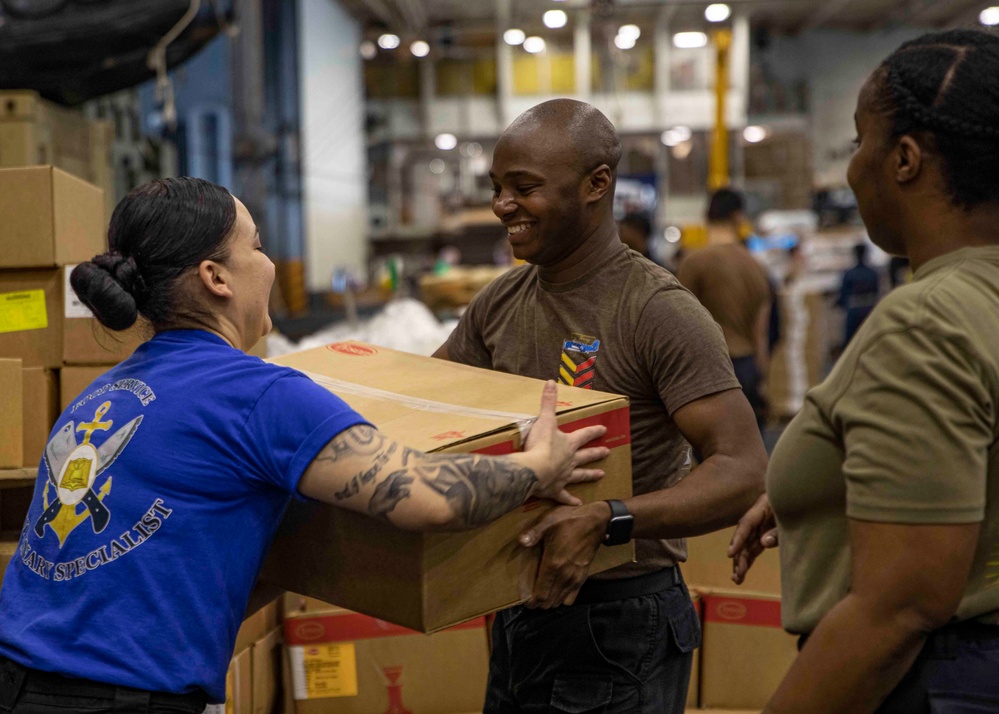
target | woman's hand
[
  {"x": 757, "y": 531},
  {"x": 558, "y": 458}
]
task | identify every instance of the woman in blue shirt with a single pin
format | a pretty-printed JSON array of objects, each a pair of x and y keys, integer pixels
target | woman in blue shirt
[{"x": 162, "y": 485}]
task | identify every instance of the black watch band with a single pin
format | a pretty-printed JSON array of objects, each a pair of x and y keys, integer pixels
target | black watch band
[{"x": 620, "y": 525}]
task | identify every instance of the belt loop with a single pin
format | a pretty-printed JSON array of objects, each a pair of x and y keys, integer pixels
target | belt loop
[{"x": 131, "y": 701}]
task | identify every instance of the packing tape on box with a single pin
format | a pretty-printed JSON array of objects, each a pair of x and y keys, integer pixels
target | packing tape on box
[{"x": 523, "y": 421}]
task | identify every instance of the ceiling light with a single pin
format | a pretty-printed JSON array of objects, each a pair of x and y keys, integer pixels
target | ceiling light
[
  {"x": 676, "y": 135},
  {"x": 446, "y": 142},
  {"x": 420, "y": 48},
  {"x": 989, "y": 16},
  {"x": 388, "y": 41},
  {"x": 690, "y": 40},
  {"x": 514, "y": 36},
  {"x": 624, "y": 43},
  {"x": 755, "y": 134},
  {"x": 719, "y": 12},
  {"x": 632, "y": 31},
  {"x": 534, "y": 45},
  {"x": 437, "y": 166},
  {"x": 672, "y": 234},
  {"x": 555, "y": 19},
  {"x": 368, "y": 50}
]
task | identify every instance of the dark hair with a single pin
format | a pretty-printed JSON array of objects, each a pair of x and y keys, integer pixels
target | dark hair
[
  {"x": 947, "y": 83},
  {"x": 724, "y": 204},
  {"x": 639, "y": 221},
  {"x": 860, "y": 251},
  {"x": 157, "y": 232}
]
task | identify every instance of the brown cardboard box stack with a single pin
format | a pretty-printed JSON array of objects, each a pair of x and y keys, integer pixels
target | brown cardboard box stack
[
  {"x": 255, "y": 681},
  {"x": 431, "y": 581},
  {"x": 49, "y": 221},
  {"x": 744, "y": 652},
  {"x": 344, "y": 661}
]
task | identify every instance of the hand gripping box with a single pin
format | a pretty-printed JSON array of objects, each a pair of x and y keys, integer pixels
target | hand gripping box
[{"x": 430, "y": 581}]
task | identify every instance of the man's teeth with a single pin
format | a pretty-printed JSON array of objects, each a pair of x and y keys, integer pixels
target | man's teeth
[{"x": 519, "y": 228}]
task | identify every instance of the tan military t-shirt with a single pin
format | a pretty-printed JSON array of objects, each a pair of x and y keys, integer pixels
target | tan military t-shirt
[
  {"x": 627, "y": 327},
  {"x": 903, "y": 431},
  {"x": 733, "y": 287}
]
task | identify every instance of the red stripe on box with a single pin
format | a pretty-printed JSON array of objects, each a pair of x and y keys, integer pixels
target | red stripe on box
[
  {"x": 742, "y": 611},
  {"x": 618, "y": 423},
  {"x": 501, "y": 449},
  {"x": 350, "y": 627}
]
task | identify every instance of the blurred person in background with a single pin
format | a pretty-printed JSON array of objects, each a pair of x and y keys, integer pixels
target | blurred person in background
[
  {"x": 736, "y": 290},
  {"x": 858, "y": 293},
  {"x": 599, "y": 316},
  {"x": 205, "y": 445},
  {"x": 635, "y": 230},
  {"x": 885, "y": 488}
]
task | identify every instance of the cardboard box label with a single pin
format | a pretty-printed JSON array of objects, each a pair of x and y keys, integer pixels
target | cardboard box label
[
  {"x": 74, "y": 307},
  {"x": 324, "y": 670},
  {"x": 24, "y": 310}
]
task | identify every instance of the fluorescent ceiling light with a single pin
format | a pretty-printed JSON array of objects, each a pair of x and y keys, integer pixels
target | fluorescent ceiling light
[
  {"x": 676, "y": 135},
  {"x": 513, "y": 36},
  {"x": 420, "y": 48},
  {"x": 632, "y": 31},
  {"x": 388, "y": 41},
  {"x": 555, "y": 19},
  {"x": 755, "y": 134},
  {"x": 989, "y": 16},
  {"x": 446, "y": 142},
  {"x": 719, "y": 12},
  {"x": 534, "y": 45},
  {"x": 690, "y": 40},
  {"x": 624, "y": 43}
]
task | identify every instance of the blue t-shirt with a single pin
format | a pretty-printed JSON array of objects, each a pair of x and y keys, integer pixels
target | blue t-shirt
[{"x": 158, "y": 496}]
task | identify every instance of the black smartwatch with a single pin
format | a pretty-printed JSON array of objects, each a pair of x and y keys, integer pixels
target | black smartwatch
[{"x": 620, "y": 524}]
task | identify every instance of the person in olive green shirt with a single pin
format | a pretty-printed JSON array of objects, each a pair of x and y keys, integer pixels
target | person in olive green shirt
[{"x": 886, "y": 486}]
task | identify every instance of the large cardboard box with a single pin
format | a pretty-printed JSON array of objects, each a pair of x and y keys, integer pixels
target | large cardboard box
[
  {"x": 429, "y": 581},
  {"x": 265, "y": 663},
  {"x": 708, "y": 565},
  {"x": 73, "y": 380},
  {"x": 239, "y": 685},
  {"x": 350, "y": 663},
  {"x": 43, "y": 323},
  {"x": 11, "y": 415},
  {"x": 744, "y": 653},
  {"x": 39, "y": 411},
  {"x": 48, "y": 218}
]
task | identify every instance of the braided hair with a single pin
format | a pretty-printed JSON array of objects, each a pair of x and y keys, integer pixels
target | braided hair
[
  {"x": 158, "y": 231},
  {"x": 947, "y": 84}
]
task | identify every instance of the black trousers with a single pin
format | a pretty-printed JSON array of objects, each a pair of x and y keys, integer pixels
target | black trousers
[
  {"x": 627, "y": 655},
  {"x": 28, "y": 691}
]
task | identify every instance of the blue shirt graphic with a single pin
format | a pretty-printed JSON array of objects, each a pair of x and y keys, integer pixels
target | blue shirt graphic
[{"x": 159, "y": 493}]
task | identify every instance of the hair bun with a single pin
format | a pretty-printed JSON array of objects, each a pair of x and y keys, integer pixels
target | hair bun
[{"x": 110, "y": 285}]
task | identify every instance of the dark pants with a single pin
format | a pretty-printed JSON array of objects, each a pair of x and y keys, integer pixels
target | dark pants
[
  {"x": 957, "y": 672},
  {"x": 748, "y": 375},
  {"x": 27, "y": 691},
  {"x": 630, "y": 655}
]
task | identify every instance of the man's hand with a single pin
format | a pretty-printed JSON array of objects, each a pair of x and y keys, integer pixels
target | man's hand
[
  {"x": 757, "y": 530},
  {"x": 570, "y": 537}
]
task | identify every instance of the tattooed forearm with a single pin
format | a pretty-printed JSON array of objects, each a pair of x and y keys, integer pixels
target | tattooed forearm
[
  {"x": 360, "y": 440},
  {"x": 364, "y": 478},
  {"x": 389, "y": 493},
  {"x": 478, "y": 489}
]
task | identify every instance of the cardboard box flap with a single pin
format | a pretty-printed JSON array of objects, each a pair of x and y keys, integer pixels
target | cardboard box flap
[{"x": 404, "y": 406}]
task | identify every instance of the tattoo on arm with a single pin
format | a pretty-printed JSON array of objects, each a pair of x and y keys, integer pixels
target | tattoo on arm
[
  {"x": 478, "y": 489},
  {"x": 389, "y": 493},
  {"x": 360, "y": 440}
]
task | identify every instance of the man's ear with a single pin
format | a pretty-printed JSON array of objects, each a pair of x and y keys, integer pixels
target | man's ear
[
  {"x": 215, "y": 278},
  {"x": 599, "y": 183},
  {"x": 907, "y": 160}
]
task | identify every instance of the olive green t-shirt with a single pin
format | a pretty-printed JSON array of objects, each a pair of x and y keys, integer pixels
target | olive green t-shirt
[
  {"x": 626, "y": 327},
  {"x": 902, "y": 431}
]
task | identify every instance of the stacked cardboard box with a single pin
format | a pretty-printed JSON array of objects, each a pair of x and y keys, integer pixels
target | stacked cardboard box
[
  {"x": 431, "y": 581},
  {"x": 744, "y": 651},
  {"x": 344, "y": 661},
  {"x": 36, "y": 132}
]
